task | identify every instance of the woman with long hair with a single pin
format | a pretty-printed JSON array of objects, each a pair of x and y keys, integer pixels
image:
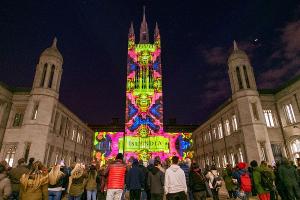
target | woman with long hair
[
  {"x": 91, "y": 185},
  {"x": 76, "y": 182},
  {"x": 55, "y": 183},
  {"x": 34, "y": 184}
]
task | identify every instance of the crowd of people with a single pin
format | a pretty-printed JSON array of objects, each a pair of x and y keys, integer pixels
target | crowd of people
[{"x": 134, "y": 179}]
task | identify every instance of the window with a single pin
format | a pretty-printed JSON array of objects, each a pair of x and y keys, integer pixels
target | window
[
  {"x": 227, "y": 127},
  {"x": 73, "y": 134},
  {"x": 254, "y": 111},
  {"x": 209, "y": 136},
  {"x": 238, "y": 74},
  {"x": 263, "y": 152},
  {"x": 205, "y": 138},
  {"x": 234, "y": 123},
  {"x": 10, "y": 154},
  {"x": 220, "y": 130},
  {"x": 232, "y": 159},
  {"x": 35, "y": 111},
  {"x": 215, "y": 133},
  {"x": 246, "y": 76},
  {"x": 224, "y": 160},
  {"x": 289, "y": 113},
  {"x": 295, "y": 147},
  {"x": 269, "y": 118},
  {"x": 218, "y": 162},
  {"x": 51, "y": 76},
  {"x": 241, "y": 157},
  {"x": 62, "y": 124},
  {"x": 78, "y": 137},
  {"x": 43, "y": 75},
  {"x": 18, "y": 120}
]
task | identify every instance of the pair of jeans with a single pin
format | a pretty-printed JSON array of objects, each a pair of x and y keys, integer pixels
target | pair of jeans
[
  {"x": 91, "y": 194},
  {"x": 74, "y": 197},
  {"x": 177, "y": 196},
  {"x": 14, "y": 196},
  {"x": 215, "y": 193},
  {"x": 135, "y": 194},
  {"x": 54, "y": 195},
  {"x": 114, "y": 194}
]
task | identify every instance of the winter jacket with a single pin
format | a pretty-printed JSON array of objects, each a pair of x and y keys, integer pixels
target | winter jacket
[
  {"x": 35, "y": 194},
  {"x": 77, "y": 186},
  {"x": 175, "y": 180},
  {"x": 5, "y": 186},
  {"x": 227, "y": 176},
  {"x": 288, "y": 175},
  {"x": 237, "y": 175},
  {"x": 156, "y": 179},
  {"x": 197, "y": 181},
  {"x": 116, "y": 175},
  {"x": 135, "y": 178},
  {"x": 15, "y": 174},
  {"x": 186, "y": 170},
  {"x": 91, "y": 183},
  {"x": 257, "y": 180}
]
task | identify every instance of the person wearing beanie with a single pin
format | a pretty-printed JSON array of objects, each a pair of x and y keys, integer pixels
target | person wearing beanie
[
  {"x": 175, "y": 182},
  {"x": 135, "y": 181},
  {"x": 116, "y": 178},
  {"x": 263, "y": 194},
  {"x": 241, "y": 170}
]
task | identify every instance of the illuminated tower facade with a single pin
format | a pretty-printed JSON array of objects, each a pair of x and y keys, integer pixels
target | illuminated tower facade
[{"x": 144, "y": 103}]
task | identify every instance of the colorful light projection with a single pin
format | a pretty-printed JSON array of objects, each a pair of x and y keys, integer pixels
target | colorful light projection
[{"x": 109, "y": 144}]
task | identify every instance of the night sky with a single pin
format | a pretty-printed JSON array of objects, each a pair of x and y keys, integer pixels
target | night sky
[{"x": 196, "y": 41}]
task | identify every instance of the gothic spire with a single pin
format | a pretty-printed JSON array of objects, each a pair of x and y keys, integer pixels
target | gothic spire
[
  {"x": 131, "y": 30},
  {"x": 144, "y": 35},
  {"x": 54, "y": 43},
  {"x": 235, "y": 46},
  {"x": 156, "y": 31}
]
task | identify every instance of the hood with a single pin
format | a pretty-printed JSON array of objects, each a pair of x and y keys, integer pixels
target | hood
[
  {"x": 174, "y": 168},
  {"x": 155, "y": 170}
]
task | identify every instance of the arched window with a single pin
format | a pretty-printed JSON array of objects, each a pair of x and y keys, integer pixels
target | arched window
[
  {"x": 295, "y": 147},
  {"x": 43, "y": 75},
  {"x": 51, "y": 76},
  {"x": 238, "y": 74},
  {"x": 246, "y": 76}
]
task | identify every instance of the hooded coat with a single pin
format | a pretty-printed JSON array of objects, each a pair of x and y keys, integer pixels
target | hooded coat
[
  {"x": 156, "y": 179},
  {"x": 175, "y": 180},
  {"x": 135, "y": 178}
]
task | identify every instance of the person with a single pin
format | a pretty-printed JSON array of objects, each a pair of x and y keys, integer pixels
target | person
[
  {"x": 91, "y": 185},
  {"x": 56, "y": 178},
  {"x": 15, "y": 174},
  {"x": 145, "y": 174},
  {"x": 197, "y": 182},
  {"x": 263, "y": 194},
  {"x": 185, "y": 166},
  {"x": 278, "y": 183},
  {"x": 242, "y": 179},
  {"x": 269, "y": 176},
  {"x": 175, "y": 182},
  {"x": 155, "y": 181},
  {"x": 116, "y": 178},
  {"x": 135, "y": 181},
  {"x": 289, "y": 178},
  {"x": 34, "y": 184},
  {"x": 76, "y": 182},
  {"x": 101, "y": 185},
  {"x": 214, "y": 181},
  {"x": 5, "y": 185},
  {"x": 30, "y": 163},
  {"x": 230, "y": 185}
]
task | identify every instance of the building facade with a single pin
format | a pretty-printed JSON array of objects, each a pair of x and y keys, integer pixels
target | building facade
[
  {"x": 252, "y": 124},
  {"x": 33, "y": 123}
]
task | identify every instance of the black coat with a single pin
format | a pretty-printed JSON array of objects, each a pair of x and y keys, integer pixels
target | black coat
[
  {"x": 197, "y": 182},
  {"x": 135, "y": 178}
]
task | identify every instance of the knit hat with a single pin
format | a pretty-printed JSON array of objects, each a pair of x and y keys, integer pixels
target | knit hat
[{"x": 241, "y": 165}]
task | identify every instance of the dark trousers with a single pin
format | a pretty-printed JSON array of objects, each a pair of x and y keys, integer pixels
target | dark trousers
[
  {"x": 157, "y": 196},
  {"x": 135, "y": 194},
  {"x": 201, "y": 195},
  {"x": 215, "y": 193},
  {"x": 177, "y": 196}
]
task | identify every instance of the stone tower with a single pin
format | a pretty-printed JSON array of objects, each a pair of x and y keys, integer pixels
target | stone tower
[
  {"x": 248, "y": 107},
  {"x": 43, "y": 98}
]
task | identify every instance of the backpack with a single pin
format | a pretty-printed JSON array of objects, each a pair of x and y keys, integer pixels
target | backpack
[
  {"x": 246, "y": 185},
  {"x": 266, "y": 180},
  {"x": 217, "y": 182}
]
